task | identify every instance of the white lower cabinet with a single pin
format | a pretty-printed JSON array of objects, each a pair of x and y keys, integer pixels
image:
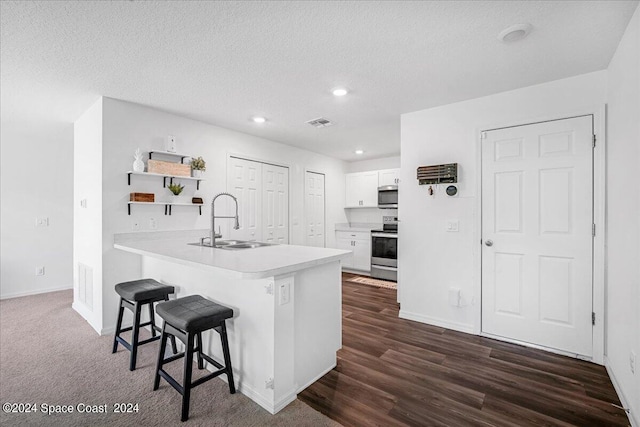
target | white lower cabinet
[{"x": 359, "y": 242}]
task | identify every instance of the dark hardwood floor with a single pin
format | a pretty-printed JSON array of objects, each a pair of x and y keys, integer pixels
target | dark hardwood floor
[{"x": 395, "y": 372}]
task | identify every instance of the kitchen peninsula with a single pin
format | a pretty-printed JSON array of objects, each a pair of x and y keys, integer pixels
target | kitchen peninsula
[{"x": 286, "y": 300}]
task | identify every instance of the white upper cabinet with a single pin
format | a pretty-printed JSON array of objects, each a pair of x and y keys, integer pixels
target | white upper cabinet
[
  {"x": 362, "y": 189},
  {"x": 388, "y": 177}
]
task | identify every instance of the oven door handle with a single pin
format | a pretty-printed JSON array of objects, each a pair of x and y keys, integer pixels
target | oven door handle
[
  {"x": 389, "y": 235},
  {"x": 381, "y": 267}
]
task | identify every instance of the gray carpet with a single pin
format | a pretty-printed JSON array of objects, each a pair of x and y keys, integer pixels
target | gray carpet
[{"x": 49, "y": 354}]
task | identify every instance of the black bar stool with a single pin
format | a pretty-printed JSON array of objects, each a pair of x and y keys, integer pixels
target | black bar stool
[
  {"x": 134, "y": 295},
  {"x": 186, "y": 318}
]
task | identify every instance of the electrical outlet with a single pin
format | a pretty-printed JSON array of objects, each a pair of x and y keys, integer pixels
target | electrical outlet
[
  {"x": 40, "y": 271},
  {"x": 135, "y": 225},
  {"x": 42, "y": 221},
  {"x": 153, "y": 224},
  {"x": 632, "y": 361},
  {"x": 284, "y": 293}
]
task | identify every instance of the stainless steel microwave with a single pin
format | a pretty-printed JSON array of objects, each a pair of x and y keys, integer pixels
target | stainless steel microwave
[{"x": 388, "y": 197}]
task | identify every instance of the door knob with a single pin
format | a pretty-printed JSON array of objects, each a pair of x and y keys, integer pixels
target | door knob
[{"x": 489, "y": 242}]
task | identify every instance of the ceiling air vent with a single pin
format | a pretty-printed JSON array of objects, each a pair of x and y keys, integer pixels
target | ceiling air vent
[{"x": 320, "y": 122}]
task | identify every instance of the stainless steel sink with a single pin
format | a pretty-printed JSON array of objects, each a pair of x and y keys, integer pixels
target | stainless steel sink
[
  {"x": 232, "y": 244},
  {"x": 228, "y": 242},
  {"x": 246, "y": 245}
]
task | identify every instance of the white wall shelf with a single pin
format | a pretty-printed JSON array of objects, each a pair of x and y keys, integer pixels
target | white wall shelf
[
  {"x": 168, "y": 153},
  {"x": 167, "y": 206},
  {"x": 164, "y": 183}
]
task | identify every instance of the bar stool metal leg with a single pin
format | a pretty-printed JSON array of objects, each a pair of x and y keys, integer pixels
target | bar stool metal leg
[
  {"x": 118, "y": 327},
  {"x": 163, "y": 344},
  {"x": 152, "y": 319},
  {"x": 186, "y": 383},
  {"x": 135, "y": 333},
  {"x": 174, "y": 347},
  {"x": 200, "y": 347},
  {"x": 227, "y": 357}
]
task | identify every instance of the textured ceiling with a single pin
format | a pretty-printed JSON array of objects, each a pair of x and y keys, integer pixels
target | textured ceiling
[{"x": 223, "y": 62}]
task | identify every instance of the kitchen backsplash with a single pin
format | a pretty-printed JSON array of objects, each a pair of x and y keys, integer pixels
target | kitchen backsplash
[{"x": 366, "y": 215}]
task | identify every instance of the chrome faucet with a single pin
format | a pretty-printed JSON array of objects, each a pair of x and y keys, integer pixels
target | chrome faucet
[{"x": 212, "y": 234}]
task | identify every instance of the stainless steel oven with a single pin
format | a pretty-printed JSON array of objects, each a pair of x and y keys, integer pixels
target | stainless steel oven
[
  {"x": 384, "y": 250},
  {"x": 388, "y": 197}
]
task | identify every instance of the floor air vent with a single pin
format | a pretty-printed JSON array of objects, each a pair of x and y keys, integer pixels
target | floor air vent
[{"x": 320, "y": 122}]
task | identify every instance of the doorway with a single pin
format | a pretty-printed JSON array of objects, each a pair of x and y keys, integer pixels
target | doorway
[
  {"x": 314, "y": 209},
  {"x": 537, "y": 234}
]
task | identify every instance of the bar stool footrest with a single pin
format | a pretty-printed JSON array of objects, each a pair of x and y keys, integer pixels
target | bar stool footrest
[
  {"x": 208, "y": 377},
  {"x": 171, "y": 381}
]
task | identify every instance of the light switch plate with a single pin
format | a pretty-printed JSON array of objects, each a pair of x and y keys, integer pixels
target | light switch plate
[{"x": 171, "y": 144}]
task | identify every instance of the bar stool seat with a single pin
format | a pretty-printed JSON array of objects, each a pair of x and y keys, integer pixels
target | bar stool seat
[
  {"x": 133, "y": 296},
  {"x": 186, "y": 318},
  {"x": 193, "y": 313},
  {"x": 143, "y": 290}
]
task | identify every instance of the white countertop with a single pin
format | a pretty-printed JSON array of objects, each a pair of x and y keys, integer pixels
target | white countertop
[
  {"x": 358, "y": 226},
  {"x": 256, "y": 263}
]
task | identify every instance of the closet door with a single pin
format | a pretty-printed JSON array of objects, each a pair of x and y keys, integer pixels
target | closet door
[
  {"x": 244, "y": 180},
  {"x": 275, "y": 204}
]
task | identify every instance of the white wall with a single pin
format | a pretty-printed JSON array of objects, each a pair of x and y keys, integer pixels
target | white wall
[
  {"x": 374, "y": 164},
  {"x": 623, "y": 227},
  {"x": 87, "y": 221},
  {"x": 126, "y": 126},
  {"x": 434, "y": 260},
  {"x": 371, "y": 215},
  {"x": 36, "y": 181}
]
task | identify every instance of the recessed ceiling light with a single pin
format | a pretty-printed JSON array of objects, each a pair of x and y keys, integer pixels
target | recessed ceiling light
[
  {"x": 359, "y": 152},
  {"x": 339, "y": 91},
  {"x": 259, "y": 119},
  {"x": 515, "y": 32}
]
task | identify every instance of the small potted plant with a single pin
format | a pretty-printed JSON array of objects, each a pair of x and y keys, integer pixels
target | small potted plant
[
  {"x": 198, "y": 165},
  {"x": 176, "y": 189}
]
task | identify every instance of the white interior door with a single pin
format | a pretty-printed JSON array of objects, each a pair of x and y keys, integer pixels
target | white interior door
[
  {"x": 244, "y": 180},
  {"x": 537, "y": 217},
  {"x": 275, "y": 204},
  {"x": 314, "y": 209}
]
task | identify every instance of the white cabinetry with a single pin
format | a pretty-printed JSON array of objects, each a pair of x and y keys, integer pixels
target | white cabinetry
[
  {"x": 361, "y": 189},
  {"x": 359, "y": 242},
  {"x": 388, "y": 177}
]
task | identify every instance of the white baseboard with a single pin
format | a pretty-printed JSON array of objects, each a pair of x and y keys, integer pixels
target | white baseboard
[
  {"x": 282, "y": 403},
  {"x": 86, "y": 314},
  {"x": 461, "y": 327},
  {"x": 272, "y": 408},
  {"x": 316, "y": 378},
  {"x": 36, "y": 292},
  {"x": 112, "y": 330},
  {"x": 633, "y": 419}
]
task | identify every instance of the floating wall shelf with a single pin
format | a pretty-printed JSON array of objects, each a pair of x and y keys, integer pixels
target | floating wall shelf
[
  {"x": 164, "y": 183},
  {"x": 167, "y": 206}
]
